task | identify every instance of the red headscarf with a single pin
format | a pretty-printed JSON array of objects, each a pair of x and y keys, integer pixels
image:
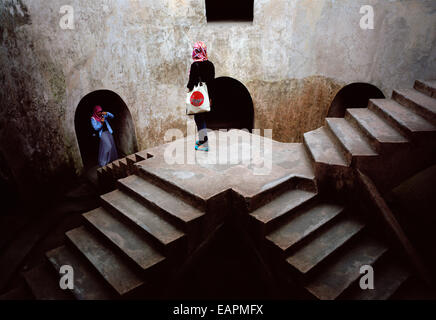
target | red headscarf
[
  {"x": 200, "y": 51},
  {"x": 95, "y": 115}
]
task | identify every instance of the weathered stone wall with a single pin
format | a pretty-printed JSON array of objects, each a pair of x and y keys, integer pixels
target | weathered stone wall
[{"x": 293, "y": 58}]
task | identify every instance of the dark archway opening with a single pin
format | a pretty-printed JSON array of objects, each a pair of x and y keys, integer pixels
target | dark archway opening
[
  {"x": 122, "y": 124},
  {"x": 229, "y": 10},
  {"x": 232, "y": 106},
  {"x": 355, "y": 95}
]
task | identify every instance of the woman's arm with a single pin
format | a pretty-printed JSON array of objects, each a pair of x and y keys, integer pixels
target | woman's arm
[
  {"x": 192, "y": 77},
  {"x": 110, "y": 115},
  {"x": 96, "y": 125}
]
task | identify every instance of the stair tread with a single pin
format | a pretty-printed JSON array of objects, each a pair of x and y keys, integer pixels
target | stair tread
[
  {"x": 161, "y": 198},
  {"x": 341, "y": 273},
  {"x": 110, "y": 265},
  {"x": 419, "y": 98},
  {"x": 128, "y": 240},
  {"x": 86, "y": 284},
  {"x": 427, "y": 87},
  {"x": 388, "y": 277},
  {"x": 403, "y": 115},
  {"x": 322, "y": 148},
  {"x": 303, "y": 224},
  {"x": 148, "y": 220},
  {"x": 281, "y": 205},
  {"x": 350, "y": 137},
  {"x": 326, "y": 242},
  {"x": 376, "y": 126},
  {"x": 44, "y": 283}
]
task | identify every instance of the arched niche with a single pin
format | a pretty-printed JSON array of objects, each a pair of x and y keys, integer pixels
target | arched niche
[
  {"x": 354, "y": 95},
  {"x": 232, "y": 106},
  {"x": 122, "y": 124}
]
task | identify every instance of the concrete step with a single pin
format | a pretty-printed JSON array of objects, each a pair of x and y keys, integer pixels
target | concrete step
[
  {"x": 303, "y": 224},
  {"x": 271, "y": 214},
  {"x": 389, "y": 275},
  {"x": 404, "y": 119},
  {"x": 323, "y": 148},
  {"x": 165, "y": 234},
  {"x": 420, "y": 103},
  {"x": 44, "y": 283},
  {"x": 353, "y": 142},
  {"x": 158, "y": 199},
  {"x": 87, "y": 283},
  {"x": 108, "y": 263},
  {"x": 342, "y": 271},
  {"x": 129, "y": 240},
  {"x": 329, "y": 240},
  {"x": 427, "y": 87},
  {"x": 124, "y": 167},
  {"x": 381, "y": 134}
]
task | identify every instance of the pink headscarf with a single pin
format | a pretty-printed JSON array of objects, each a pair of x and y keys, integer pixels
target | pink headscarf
[
  {"x": 95, "y": 115},
  {"x": 200, "y": 51}
]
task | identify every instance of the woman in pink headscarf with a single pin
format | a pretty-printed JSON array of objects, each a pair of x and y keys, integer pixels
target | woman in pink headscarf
[
  {"x": 107, "y": 151},
  {"x": 204, "y": 69}
]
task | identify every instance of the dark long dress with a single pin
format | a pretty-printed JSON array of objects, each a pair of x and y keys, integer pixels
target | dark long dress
[
  {"x": 204, "y": 70},
  {"x": 107, "y": 151}
]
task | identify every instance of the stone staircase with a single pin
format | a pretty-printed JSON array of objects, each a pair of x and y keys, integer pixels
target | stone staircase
[
  {"x": 149, "y": 225},
  {"x": 324, "y": 244},
  {"x": 109, "y": 174}
]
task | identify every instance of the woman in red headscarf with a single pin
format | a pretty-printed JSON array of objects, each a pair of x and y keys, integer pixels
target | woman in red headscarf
[
  {"x": 107, "y": 151},
  {"x": 204, "y": 69}
]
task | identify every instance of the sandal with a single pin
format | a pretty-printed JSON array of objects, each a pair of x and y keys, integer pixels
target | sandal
[{"x": 201, "y": 148}]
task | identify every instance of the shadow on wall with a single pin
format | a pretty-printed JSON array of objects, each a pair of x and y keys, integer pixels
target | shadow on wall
[
  {"x": 232, "y": 106},
  {"x": 355, "y": 95},
  {"x": 122, "y": 124}
]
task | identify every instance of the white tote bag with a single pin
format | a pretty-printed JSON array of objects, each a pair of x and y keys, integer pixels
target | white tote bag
[{"x": 197, "y": 101}]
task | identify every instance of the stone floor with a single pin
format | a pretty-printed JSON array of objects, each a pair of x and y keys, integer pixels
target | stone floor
[{"x": 244, "y": 162}]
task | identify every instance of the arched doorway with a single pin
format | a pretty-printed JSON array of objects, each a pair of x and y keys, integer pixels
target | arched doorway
[
  {"x": 355, "y": 95},
  {"x": 122, "y": 124},
  {"x": 232, "y": 106}
]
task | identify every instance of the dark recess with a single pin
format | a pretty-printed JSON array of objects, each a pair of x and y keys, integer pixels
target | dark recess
[
  {"x": 122, "y": 124},
  {"x": 229, "y": 10},
  {"x": 232, "y": 106},
  {"x": 355, "y": 95}
]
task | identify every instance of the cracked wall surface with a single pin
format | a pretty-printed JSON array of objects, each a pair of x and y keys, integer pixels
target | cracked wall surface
[{"x": 293, "y": 58}]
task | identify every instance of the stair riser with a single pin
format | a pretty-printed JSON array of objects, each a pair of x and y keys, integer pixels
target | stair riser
[
  {"x": 306, "y": 276},
  {"x": 72, "y": 246},
  {"x": 260, "y": 229},
  {"x": 307, "y": 237},
  {"x": 192, "y": 199},
  {"x": 417, "y": 137},
  {"x": 352, "y": 160},
  {"x": 173, "y": 249},
  {"x": 375, "y": 144},
  {"x": 401, "y": 128},
  {"x": 183, "y": 225},
  {"x": 267, "y": 196},
  {"x": 417, "y": 108},
  {"x": 387, "y": 293},
  {"x": 423, "y": 88},
  {"x": 355, "y": 279},
  {"x": 149, "y": 272}
]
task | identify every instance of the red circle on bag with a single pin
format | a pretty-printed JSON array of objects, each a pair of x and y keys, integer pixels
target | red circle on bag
[{"x": 197, "y": 99}]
